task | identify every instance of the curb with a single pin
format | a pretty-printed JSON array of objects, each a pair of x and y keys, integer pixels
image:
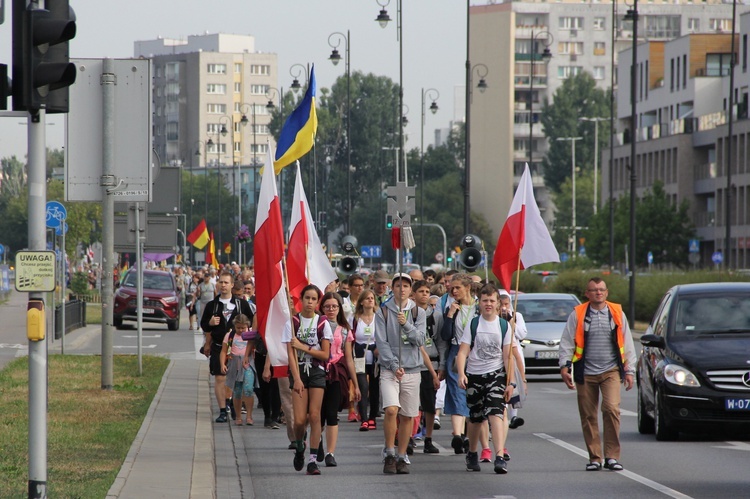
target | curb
[{"x": 203, "y": 482}]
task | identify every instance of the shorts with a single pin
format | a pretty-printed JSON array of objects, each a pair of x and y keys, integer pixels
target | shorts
[
  {"x": 404, "y": 395},
  {"x": 315, "y": 378},
  {"x": 427, "y": 393},
  {"x": 246, "y": 387},
  {"x": 214, "y": 360},
  {"x": 485, "y": 395}
]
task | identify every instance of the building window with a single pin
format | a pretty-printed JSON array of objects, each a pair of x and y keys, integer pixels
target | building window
[
  {"x": 258, "y": 148},
  {"x": 717, "y": 64},
  {"x": 172, "y": 70},
  {"x": 662, "y": 26},
  {"x": 722, "y": 25},
  {"x": 571, "y": 23},
  {"x": 260, "y": 109},
  {"x": 600, "y": 48},
  {"x": 237, "y": 68},
  {"x": 564, "y": 72},
  {"x": 212, "y": 148},
  {"x": 213, "y": 128},
  {"x": 260, "y": 69},
  {"x": 216, "y": 88},
  {"x": 693, "y": 25},
  {"x": 684, "y": 70},
  {"x": 237, "y": 87},
  {"x": 216, "y": 109},
  {"x": 572, "y": 48},
  {"x": 600, "y": 23},
  {"x": 259, "y": 89},
  {"x": 261, "y": 129},
  {"x": 599, "y": 72},
  {"x": 238, "y": 146},
  {"x": 172, "y": 130},
  {"x": 216, "y": 69}
]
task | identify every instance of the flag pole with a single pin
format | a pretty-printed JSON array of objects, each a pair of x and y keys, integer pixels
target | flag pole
[{"x": 512, "y": 323}]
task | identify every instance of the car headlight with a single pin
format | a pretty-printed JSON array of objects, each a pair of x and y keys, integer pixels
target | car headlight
[
  {"x": 678, "y": 375},
  {"x": 170, "y": 299},
  {"x": 525, "y": 342}
]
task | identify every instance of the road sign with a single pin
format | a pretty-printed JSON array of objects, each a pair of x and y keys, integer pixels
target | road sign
[
  {"x": 694, "y": 246},
  {"x": 62, "y": 229},
  {"x": 563, "y": 257},
  {"x": 439, "y": 257},
  {"x": 650, "y": 258},
  {"x": 694, "y": 258},
  {"x": 407, "y": 257},
  {"x": 582, "y": 251},
  {"x": 2, "y": 249},
  {"x": 371, "y": 251},
  {"x": 35, "y": 271},
  {"x": 56, "y": 214},
  {"x": 717, "y": 257}
]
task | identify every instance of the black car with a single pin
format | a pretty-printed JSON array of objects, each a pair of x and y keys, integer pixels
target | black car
[{"x": 694, "y": 370}]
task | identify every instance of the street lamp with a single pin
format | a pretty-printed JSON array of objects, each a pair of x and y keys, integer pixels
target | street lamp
[
  {"x": 596, "y": 155},
  {"x": 573, "y": 227},
  {"x": 433, "y": 95},
  {"x": 546, "y": 56},
  {"x": 481, "y": 71},
  {"x": 295, "y": 72},
  {"x": 632, "y": 15},
  {"x": 335, "y": 58}
]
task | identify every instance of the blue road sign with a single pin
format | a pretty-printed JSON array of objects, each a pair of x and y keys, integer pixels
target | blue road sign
[
  {"x": 62, "y": 229},
  {"x": 371, "y": 251},
  {"x": 717, "y": 257},
  {"x": 563, "y": 257},
  {"x": 56, "y": 214},
  {"x": 694, "y": 246},
  {"x": 2, "y": 249},
  {"x": 650, "y": 258},
  {"x": 582, "y": 251}
]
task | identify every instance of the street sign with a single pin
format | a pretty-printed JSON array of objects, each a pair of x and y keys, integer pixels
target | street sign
[
  {"x": 62, "y": 229},
  {"x": 35, "y": 271},
  {"x": 371, "y": 251},
  {"x": 439, "y": 257},
  {"x": 55, "y": 214},
  {"x": 2, "y": 249},
  {"x": 407, "y": 257},
  {"x": 650, "y": 258},
  {"x": 717, "y": 257},
  {"x": 582, "y": 251},
  {"x": 563, "y": 257},
  {"x": 694, "y": 258},
  {"x": 694, "y": 246}
]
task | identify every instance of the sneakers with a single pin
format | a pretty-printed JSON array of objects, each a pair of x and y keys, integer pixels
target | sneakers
[
  {"x": 274, "y": 425},
  {"x": 244, "y": 409},
  {"x": 458, "y": 444},
  {"x": 364, "y": 426},
  {"x": 501, "y": 467},
  {"x": 486, "y": 456},
  {"x": 437, "y": 423},
  {"x": 267, "y": 423},
  {"x": 410, "y": 447},
  {"x": 299, "y": 459},
  {"x": 515, "y": 422},
  {"x": 371, "y": 425},
  {"x": 429, "y": 447},
  {"x": 506, "y": 455},
  {"x": 472, "y": 462},
  {"x": 331, "y": 461},
  {"x": 312, "y": 468},
  {"x": 222, "y": 417},
  {"x": 389, "y": 466},
  {"x": 402, "y": 467},
  {"x": 292, "y": 446},
  {"x": 321, "y": 452},
  {"x": 466, "y": 445}
]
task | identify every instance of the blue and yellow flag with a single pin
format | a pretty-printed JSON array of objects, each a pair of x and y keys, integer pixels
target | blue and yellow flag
[{"x": 298, "y": 133}]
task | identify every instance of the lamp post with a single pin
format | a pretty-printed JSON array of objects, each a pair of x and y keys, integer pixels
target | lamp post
[
  {"x": 481, "y": 71},
  {"x": 546, "y": 56},
  {"x": 596, "y": 156},
  {"x": 730, "y": 118},
  {"x": 230, "y": 121},
  {"x": 632, "y": 15},
  {"x": 270, "y": 106},
  {"x": 573, "y": 227},
  {"x": 434, "y": 95},
  {"x": 335, "y": 58}
]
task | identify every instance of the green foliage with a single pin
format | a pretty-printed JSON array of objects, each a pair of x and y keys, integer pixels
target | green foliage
[
  {"x": 564, "y": 205},
  {"x": 529, "y": 282},
  {"x": 79, "y": 284}
]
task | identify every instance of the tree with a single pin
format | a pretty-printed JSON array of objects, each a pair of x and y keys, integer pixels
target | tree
[
  {"x": 577, "y": 97},
  {"x": 564, "y": 205},
  {"x": 667, "y": 240}
]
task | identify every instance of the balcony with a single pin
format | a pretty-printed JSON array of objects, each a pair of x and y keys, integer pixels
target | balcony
[{"x": 523, "y": 81}]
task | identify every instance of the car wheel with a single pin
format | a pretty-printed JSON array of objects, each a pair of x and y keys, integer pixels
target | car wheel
[
  {"x": 645, "y": 422},
  {"x": 662, "y": 424},
  {"x": 117, "y": 322},
  {"x": 173, "y": 325}
]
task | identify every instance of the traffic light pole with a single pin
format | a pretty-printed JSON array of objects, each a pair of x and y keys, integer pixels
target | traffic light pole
[{"x": 37, "y": 169}]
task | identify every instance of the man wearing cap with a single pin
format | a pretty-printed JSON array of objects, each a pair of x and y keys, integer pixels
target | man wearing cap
[
  {"x": 399, "y": 334},
  {"x": 380, "y": 288}
]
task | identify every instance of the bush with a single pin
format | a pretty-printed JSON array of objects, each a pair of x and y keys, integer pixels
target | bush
[{"x": 80, "y": 284}]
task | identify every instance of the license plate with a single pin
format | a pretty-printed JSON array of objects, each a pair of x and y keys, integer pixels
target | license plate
[
  {"x": 552, "y": 354},
  {"x": 148, "y": 310},
  {"x": 737, "y": 404}
]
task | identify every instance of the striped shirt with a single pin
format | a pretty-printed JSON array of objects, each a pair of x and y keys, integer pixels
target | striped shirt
[{"x": 600, "y": 355}]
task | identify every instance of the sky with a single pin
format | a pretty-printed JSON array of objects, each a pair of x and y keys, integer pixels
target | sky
[{"x": 434, "y": 44}]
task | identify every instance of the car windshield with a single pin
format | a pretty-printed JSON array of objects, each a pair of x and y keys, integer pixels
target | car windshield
[
  {"x": 712, "y": 314},
  {"x": 161, "y": 281},
  {"x": 554, "y": 310}
]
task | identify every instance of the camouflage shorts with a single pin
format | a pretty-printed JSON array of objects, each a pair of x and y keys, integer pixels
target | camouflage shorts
[{"x": 484, "y": 395}]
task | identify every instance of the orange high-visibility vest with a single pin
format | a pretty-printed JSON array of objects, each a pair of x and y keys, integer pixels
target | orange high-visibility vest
[{"x": 615, "y": 310}]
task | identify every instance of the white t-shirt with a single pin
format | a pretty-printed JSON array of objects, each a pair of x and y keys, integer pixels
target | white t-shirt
[
  {"x": 463, "y": 321},
  {"x": 487, "y": 354},
  {"x": 308, "y": 334},
  {"x": 365, "y": 333}
]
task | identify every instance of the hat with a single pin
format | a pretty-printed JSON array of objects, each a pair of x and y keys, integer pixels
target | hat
[
  {"x": 400, "y": 276},
  {"x": 381, "y": 276}
]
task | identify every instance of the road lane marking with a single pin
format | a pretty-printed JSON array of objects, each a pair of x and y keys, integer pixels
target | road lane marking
[
  {"x": 734, "y": 446},
  {"x": 628, "y": 474},
  {"x": 134, "y": 346},
  {"x": 142, "y": 336},
  {"x": 624, "y": 412}
]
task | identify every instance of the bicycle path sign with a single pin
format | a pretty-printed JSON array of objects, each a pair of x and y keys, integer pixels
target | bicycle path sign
[{"x": 55, "y": 214}]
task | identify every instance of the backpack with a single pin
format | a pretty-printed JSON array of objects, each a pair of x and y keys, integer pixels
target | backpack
[
  {"x": 475, "y": 325},
  {"x": 296, "y": 322}
]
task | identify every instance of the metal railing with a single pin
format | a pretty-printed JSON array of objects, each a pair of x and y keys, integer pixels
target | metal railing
[{"x": 75, "y": 317}]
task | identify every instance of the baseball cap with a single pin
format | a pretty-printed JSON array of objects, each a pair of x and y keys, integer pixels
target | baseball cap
[
  {"x": 381, "y": 276},
  {"x": 401, "y": 275}
]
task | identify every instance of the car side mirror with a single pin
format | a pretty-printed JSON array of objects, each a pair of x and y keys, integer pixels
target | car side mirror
[{"x": 652, "y": 340}]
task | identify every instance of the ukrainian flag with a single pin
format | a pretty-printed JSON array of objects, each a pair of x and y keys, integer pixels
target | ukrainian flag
[{"x": 298, "y": 133}]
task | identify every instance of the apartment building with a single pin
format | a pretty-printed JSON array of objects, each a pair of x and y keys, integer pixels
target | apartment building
[{"x": 509, "y": 38}]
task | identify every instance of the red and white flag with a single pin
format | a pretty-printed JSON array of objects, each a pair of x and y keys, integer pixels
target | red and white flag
[
  {"x": 524, "y": 234},
  {"x": 270, "y": 294},
  {"x": 306, "y": 260}
]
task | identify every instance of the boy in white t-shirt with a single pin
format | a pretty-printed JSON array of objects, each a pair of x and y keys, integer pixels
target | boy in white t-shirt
[{"x": 481, "y": 361}]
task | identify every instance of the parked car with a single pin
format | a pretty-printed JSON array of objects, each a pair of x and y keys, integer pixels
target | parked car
[
  {"x": 545, "y": 315},
  {"x": 161, "y": 301},
  {"x": 694, "y": 370}
]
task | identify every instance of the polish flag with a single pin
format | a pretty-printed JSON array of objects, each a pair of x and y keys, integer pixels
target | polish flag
[
  {"x": 270, "y": 294},
  {"x": 524, "y": 234},
  {"x": 306, "y": 261}
]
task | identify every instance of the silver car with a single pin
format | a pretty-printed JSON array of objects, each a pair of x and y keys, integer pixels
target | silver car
[{"x": 545, "y": 315}]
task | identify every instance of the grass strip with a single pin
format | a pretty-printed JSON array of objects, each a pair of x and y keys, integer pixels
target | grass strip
[{"x": 89, "y": 431}]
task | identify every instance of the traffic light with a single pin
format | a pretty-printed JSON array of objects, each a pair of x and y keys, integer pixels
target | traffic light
[
  {"x": 42, "y": 71},
  {"x": 349, "y": 262},
  {"x": 388, "y": 222},
  {"x": 471, "y": 252}
]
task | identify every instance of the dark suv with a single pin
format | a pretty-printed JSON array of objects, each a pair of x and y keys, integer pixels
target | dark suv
[
  {"x": 161, "y": 301},
  {"x": 694, "y": 371}
]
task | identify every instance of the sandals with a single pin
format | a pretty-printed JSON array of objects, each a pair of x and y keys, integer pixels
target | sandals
[
  {"x": 238, "y": 422},
  {"x": 612, "y": 464},
  {"x": 593, "y": 466}
]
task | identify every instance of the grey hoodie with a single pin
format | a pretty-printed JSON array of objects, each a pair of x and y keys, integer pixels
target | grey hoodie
[{"x": 389, "y": 333}]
